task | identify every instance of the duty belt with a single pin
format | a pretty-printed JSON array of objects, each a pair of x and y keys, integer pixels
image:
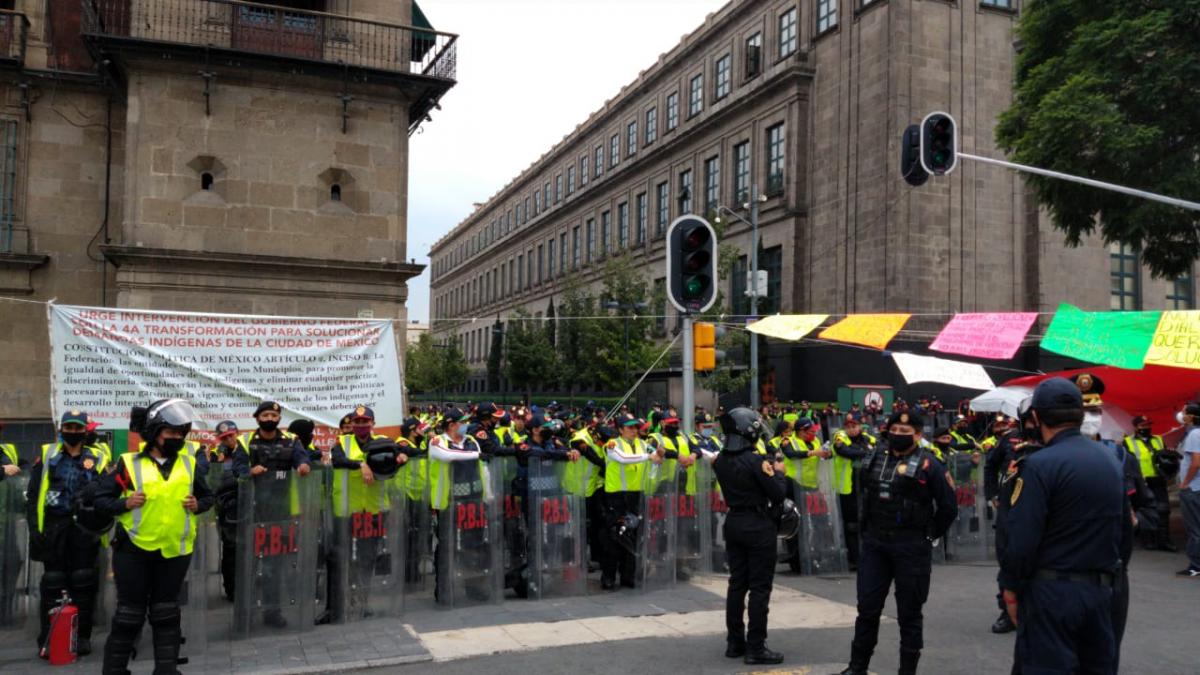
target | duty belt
[{"x": 1105, "y": 579}]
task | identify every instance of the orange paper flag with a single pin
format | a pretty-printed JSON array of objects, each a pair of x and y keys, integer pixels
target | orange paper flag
[{"x": 872, "y": 330}]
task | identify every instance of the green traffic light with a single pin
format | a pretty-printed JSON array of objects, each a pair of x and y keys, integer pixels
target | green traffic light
[{"x": 694, "y": 287}]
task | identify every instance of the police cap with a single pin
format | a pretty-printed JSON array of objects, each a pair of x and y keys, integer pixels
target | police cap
[
  {"x": 299, "y": 427},
  {"x": 1056, "y": 392},
  {"x": 906, "y": 417},
  {"x": 488, "y": 410},
  {"x": 266, "y": 406}
]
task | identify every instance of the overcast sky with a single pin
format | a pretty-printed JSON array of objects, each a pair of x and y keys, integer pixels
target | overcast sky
[{"x": 529, "y": 71}]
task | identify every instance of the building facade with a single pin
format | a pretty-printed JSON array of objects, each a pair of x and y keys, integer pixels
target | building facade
[
  {"x": 206, "y": 155},
  {"x": 804, "y": 102}
]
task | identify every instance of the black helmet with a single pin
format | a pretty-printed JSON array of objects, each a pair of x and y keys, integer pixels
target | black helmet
[
  {"x": 789, "y": 519},
  {"x": 743, "y": 428},
  {"x": 172, "y": 412},
  {"x": 1166, "y": 463},
  {"x": 381, "y": 457}
]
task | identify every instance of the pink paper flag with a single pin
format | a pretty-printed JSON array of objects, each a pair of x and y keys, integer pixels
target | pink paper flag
[{"x": 986, "y": 336}]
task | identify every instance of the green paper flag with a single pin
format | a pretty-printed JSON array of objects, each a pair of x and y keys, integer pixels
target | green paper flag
[{"x": 1118, "y": 339}]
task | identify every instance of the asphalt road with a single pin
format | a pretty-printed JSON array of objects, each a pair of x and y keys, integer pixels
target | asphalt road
[{"x": 1164, "y": 615}]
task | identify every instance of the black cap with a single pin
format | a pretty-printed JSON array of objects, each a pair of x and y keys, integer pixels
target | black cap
[
  {"x": 266, "y": 406},
  {"x": 488, "y": 410},
  {"x": 455, "y": 415},
  {"x": 302, "y": 427},
  {"x": 782, "y": 426},
  {"x": 804, "y": 423},
  {"x": 906, "y": 417},
  {"x": 941, "y": 431},
  {"x": 1056, "y": 392}
]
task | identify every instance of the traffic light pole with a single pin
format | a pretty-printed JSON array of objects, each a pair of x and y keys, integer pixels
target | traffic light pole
[
  {"x": 688, "y": 412},
  {"x": 754, "y": 403}
]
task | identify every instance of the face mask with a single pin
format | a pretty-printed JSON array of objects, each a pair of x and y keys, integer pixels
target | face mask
[
  {"x": 707, "y": 433},
  {"x": 1180, "y": 418},
  {"x": 172, "y": 446},
  {"x": 1144, "y": 433},
  {"x": 362, "y": 431},
  {"x": 900, "y": 442},
  {"x": 73, "y": 438},
  {"x": 269, "y": 426},
  {"x": 1091, "y": 424},
  {"x": 943, "y": 446},
  {"x": 671, "y": 430}
]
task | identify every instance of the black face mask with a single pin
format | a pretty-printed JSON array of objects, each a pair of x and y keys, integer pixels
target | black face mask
[
  {"x": 943, "y": 446},
  {"x": 73, "y": 438},
  {"x": 171, "y": 446},
  {"x": 900, "y": 442},
  {"x": 671, "y": 430},
  {"x": 1144, "y": 433},
  {"x": 268, "y": 426}
]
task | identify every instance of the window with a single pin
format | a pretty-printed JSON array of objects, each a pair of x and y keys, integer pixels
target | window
[
  {"x": 614, "y": 150},
  {"x": 754, "y": 56},
  {"x": 605, "y": 233},
  {"x": 660, "y": 306},
  {"x": 558, "y": 188},
  {"x": 546, "y": 195},
  {"x": 508, "y": 220},
  {"x": 1003, "y": 4},
  {"x": 696, "y": 96},
  {"x": 570, "y": 180},
  {"x": 776, "y": 152},
  {"x": 525, "y": 216},
  {"x": 724, "y": 73},
  {"x": 550, "y": 258},
  {"x": 1181, "y": 294},
  {"x": 664, "y": 209},
  {"x": 520, "y": 272},
  {"x": 591, "y": 239},
  {"x": 631, "y": 139},
  {"x": 623, "y": 225},
  {"x": 575, "y": 248},
  {"x": 741, "y": 172},
  {"x": 1126, "y": 286},
  {"x": 206, "y": 183},
  {"x": 712, "y": 184},
  {"x": 826, "y": 20},
  {"x": 771, "y": 260},
  {"x": 641, "y": 219},
  {"x": 651, "y": 125},
  {"x": 672, "y": 110},
  {"x": 685, "y": 192},
  {"x": 583, "y": 170},
  {"x": 599, "y": 163},
  {"x": 537, "y": 203},
  {"x": 503, "y": 282},
  {"x": 562, "y": 247},
  {"x": 541, "y": 262},
  {"x": 529, "y": 270}
]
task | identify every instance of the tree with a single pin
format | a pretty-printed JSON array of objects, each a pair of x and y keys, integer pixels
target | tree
[
  {"x": 625, "y": 286},
  {"x": 432, "y": 368},
  {"x": 528, "y": 356},
  {"x": 1107, "y": 89}
]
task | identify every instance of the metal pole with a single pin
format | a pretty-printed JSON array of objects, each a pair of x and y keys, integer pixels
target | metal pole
[
  {"x": 754, "y": 402},
  {"x": 1173, "y": 201},
  {"x": 627, "y": 349},
  {"x": 689, "y": 378}
]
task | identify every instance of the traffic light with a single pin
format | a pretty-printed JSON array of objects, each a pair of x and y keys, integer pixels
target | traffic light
[
  {"x": 704, "y": 346},
  {"x": 691, "y": 264},
  {"x": 939, "y": 138},
  {"x": 910, "y": 157}
]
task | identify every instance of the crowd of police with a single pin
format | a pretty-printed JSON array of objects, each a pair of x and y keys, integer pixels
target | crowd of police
[{"x": 469, "y": 502}]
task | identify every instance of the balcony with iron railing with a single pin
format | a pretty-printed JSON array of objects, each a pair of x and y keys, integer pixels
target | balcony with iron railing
[
  {"x": 14, "y": 30},
  {"x": 274, "y": 33}
]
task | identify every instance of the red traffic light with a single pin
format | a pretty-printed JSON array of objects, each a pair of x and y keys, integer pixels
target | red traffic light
[{"x": 695, "y": 238}]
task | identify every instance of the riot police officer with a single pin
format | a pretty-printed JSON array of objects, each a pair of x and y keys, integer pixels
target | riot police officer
[
  {"x": 68, "y": 553},
  {"x": 751, "y": 484},
  {"x": 228, "y": 446},
  {"x": 1064, "y": 529},
  {"x": 155, "y": 495},
  {"x": 1000, "y": 456},
  {"x": 624, "y": 468},
  {"x": 907, "y": 503},
  {"x": 851, "y": 445}
]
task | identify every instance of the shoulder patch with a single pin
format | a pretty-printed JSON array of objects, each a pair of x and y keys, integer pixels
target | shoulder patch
[
  {"x": 1016, "y": 494},
  {"x": 768, "y": 469},
  {"x": 481, "y": 435}
]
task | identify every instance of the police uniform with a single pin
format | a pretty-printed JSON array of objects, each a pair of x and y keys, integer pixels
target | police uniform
[
  {"x": 456, "y": 468},
  {"x": 906, "y": 502},
  {"x": 588, "y": 444},
  {"x": 849, "y": 452},
  {"x": 751, "y": 487},
  {"x": 1146, "y": 447},
  {"x": 414, "y": 476},
  {"x": 1139, "y": 501},
  {"x": 1063, "y": 534},
  {"x": 624, "y": 470},
  {"x": 1002, "y": 455},
  {"x": 225, "y": 503}
]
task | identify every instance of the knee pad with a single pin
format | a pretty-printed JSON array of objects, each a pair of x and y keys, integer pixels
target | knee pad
[
  {"x": 84, "y": 579},
  {"x": 164, "y": 614},
  {"x": 128, "y": 618},
  {"x": 53, "y": 581}
]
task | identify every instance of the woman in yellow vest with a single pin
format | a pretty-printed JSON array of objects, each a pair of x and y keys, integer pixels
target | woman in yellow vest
[{"x": 155, "y": 495}]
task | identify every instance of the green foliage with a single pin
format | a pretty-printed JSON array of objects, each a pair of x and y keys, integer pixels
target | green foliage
[
  {"x": 431, "y": 368},
  {"x": 528, "y": 356},
  {"x": 1107, "y": 89}
]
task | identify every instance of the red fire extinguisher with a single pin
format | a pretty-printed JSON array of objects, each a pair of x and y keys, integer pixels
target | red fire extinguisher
[{"x": 64, "y": 629}]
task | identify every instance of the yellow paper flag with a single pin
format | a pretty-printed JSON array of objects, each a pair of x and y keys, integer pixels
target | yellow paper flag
[
  {"x": 1176, "y": 343},
  {"x": 788, "y": 326},
  {"x": 873, "y": 330}
]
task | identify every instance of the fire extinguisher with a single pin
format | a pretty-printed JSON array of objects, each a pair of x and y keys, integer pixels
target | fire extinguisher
[{"x": 64, "y": 630}]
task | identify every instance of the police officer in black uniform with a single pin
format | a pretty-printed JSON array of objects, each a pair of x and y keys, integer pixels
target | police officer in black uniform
[
  {"x": 1064, "y": 530},
  {"x": 999, "y": 458},
  {"x": 752, "y": 484},
  {"x": 907, "y": 502}
]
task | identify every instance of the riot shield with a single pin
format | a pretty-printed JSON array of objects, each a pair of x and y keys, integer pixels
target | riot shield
[
  {"x": 656, "y": 533},
  {"x": 276, "y": 554},
  {"x": 413, "y": 477},
  {"x": 512, "y": 487},
  {"x": 966, "y": 541},
  {"x": 18, "y": 590},
  {"x": 469, "y": 569},
  {"x": 556, "y": 529},
  {"x": 711, "y": 512},
  {"x": 367, "y": 544},
  {"x": 689, "y": 545},
  {"x": 193, "y": 597},
  {"x": 822, "y": 549}
]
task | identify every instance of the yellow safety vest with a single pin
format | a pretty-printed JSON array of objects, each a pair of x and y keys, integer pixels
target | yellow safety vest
[
  {"x": 9, "y": 451},
  {"x": 192, "y": 447},
  {"x": 509, "y": 436},
  {"x": 684, "y": 450},
  {"x": 49, "y": 450},
  {"x": 350, "y": 493},
  {"x": 843, "y": 467},
  {"x": 412, "y": 476},
  {"x": 588, "y": 472},
  {"x": 439, "y": 477},
  {"x": 161, "y": 524},
  {"x": 620, "y": 477},
  {"x": 1145, "y": 455},
  {"x": 964, "y": 439},
  {"x": 806, "y": 468}
]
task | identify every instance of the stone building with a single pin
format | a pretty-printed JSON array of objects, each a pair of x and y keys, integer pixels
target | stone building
[
  {"x": 205, "y": 155},
  {"x": 804, "y": 101}
]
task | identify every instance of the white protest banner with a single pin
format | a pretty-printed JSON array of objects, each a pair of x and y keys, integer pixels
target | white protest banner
[
  {"x": 931, "y": 369},
  {"x": 104, "y": 361}
]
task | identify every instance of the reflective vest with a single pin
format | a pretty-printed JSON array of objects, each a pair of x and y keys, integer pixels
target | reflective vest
[
  {"x": 413, "y": 476},
  {"x": 964, "y": 441},
  {"x": 103, "y": 448},
  {"x": 161, "y": 524},
  {"x": 49, "y": 451},
  {"x": 509, "y": 436},
  {"x": 1145, "y": 455},
  {"x": 684, "y": 450},
  {"x": 10, "y": 451},
  {"x": 583, "y": 475},
  {"x": 843, "y": 467},
  {"x": 988, "y": 443},
  {"x": 620, "y": 477},
  {"x": 805, "y": 468},
  {"x": 440, "y": 479},
  {"x": 760, "y": 447},
  {"x": 350, "y": 493}
]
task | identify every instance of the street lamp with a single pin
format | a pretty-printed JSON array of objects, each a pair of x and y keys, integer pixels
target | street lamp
[
  {"x": 752, "y": 206},
  {"x": 626, "y": 308}
]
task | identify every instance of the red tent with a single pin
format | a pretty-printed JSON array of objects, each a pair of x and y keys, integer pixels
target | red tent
[{"x": 1157, "y": 392}]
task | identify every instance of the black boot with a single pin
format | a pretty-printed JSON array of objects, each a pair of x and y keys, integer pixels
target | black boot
[
  {"x": 860, "y": 660},
  {"x": 164, "y": 619},
  {"x": 762, "y": 656},
  {"x": 908, "y": 661},
  {"x": 126, "y": 624},
  {"x": 1003, "y": 624}
]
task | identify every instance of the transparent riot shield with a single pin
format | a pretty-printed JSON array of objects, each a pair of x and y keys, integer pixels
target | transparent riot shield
[
  {"x": 512, "y": 488},
  {"x": 711, "y": 512},
  {"x": 689, "y": 544},
  {"x": 413, "y": 478},
  {"x": 193, "y": 598},
  {"x": 966, "y": 541},
  {"x": 367, "y": 544},
  {"x": 468, "y": 554},
  {"x": 276, "y": 554},
  {"x": 18, "y": 592},
  {"x": 822, "y": 549},
  {"x": 556, "y": 528},
  {"x": 656, "y": 532}
]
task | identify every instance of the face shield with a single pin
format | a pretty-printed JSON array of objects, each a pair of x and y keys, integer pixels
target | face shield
[{"x": 174, "y": 412}]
